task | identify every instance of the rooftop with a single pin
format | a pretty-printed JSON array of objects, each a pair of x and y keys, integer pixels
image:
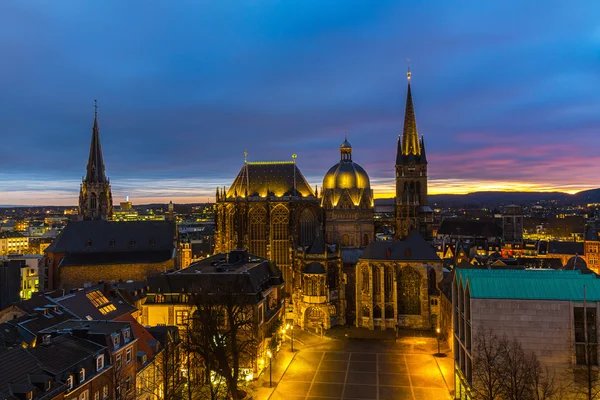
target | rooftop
[{"x": 544, "y": 284}]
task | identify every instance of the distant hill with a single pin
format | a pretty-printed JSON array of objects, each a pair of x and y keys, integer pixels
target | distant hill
[{"x": 477, "y": 199}]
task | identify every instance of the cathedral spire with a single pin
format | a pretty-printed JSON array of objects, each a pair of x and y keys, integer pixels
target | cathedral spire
[
  {"x": 410, "y": 144},
  {"x": 95, "y": 166}
]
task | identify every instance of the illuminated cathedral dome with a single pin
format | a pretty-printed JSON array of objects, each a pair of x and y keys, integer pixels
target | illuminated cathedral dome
[{"x": 346, "y": 174}]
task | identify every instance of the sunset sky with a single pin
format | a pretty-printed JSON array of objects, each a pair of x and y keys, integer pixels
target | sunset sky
[{"x": 507, "y": 95}]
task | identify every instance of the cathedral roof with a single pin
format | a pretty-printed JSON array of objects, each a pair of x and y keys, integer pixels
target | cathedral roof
[
  {"x": 413, "y": 248},
  {"x": 275, "y": 177},
  {"x": 95, "y": 168},
  {"x": 314, "y": 268},
  {"x": 110, "y": 237}
]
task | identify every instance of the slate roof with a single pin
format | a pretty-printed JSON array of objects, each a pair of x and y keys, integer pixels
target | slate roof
[
  {"x": 247, "y": 278},
  {"x": 556, "y": 247},
  {"x": 472, "y": 228},
  {"x": 92, "y": 327},
  {"x": 413, "y": 248},
  {"x": 64, "y": 351},
  {"x": 529, "y": 284},
  {"x": 314, "y": 268},
  {"x": 146, "y": 343},
  {"x": 15, "y": 365},
  {"x": 256, "y": 178},
  {"x": 101, "y": 237},
  {"x": 80, "y": 305}
]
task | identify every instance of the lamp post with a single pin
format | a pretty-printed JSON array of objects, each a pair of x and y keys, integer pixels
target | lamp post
[
  {"x": 270, "y": 368},
  {"x": 292, "y": 329},
  {"x": 438, "y": 340}
]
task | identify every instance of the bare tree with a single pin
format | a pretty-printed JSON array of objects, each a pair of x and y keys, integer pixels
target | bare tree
[
  {"x": 224, "y": 332},
  {"x": 487, "y": 360},
  {"x": 586, "y": 377},
  {"x": 502, "y": 370}
]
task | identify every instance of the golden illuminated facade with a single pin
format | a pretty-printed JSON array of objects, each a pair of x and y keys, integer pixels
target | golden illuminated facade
[
  {"x": 270, "y": 209},
  {"x": 396, "y": 285},
  {"x": 412, "y": 209},
  {"x": 95, "y": 196},
  {"x": 319, "y": 298},
  {"x": 347, "y": 200}
]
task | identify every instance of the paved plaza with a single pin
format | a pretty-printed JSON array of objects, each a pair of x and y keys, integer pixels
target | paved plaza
[{"x": 361, "y": 372}]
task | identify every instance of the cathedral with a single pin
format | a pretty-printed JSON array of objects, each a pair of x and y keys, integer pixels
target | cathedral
[{"x": 271, "y": 210}]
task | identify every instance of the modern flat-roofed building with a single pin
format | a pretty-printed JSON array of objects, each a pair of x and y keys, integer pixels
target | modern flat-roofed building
[{"x": 543, "y": 309}]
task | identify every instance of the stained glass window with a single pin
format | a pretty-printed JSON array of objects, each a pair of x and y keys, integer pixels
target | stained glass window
[
  {"x": 258, "y": 234},
  {"x": 409, "y": 292}
]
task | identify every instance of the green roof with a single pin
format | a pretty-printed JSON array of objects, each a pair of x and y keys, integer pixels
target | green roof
[{"x": 529, "y": 284}]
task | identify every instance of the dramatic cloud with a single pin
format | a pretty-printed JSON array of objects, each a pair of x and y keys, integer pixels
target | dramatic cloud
[{"x": 506, "y": 94}]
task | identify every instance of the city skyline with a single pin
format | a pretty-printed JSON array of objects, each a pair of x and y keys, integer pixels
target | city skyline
[{"x": 505, "y": 96}]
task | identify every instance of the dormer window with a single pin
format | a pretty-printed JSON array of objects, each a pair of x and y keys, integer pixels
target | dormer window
[
  {"x": 70, "y": 382},
  {"x": 82, "y": 375},
  {"x": 126, "y": 335},
  {"x": 116, "y": 340},
  {"x": 100, "y": 362}
]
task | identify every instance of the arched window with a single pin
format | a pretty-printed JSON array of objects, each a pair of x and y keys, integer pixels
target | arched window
[
  {"x": 365, "y": 280},
  {"x": 332, "y": 276},
  {"x": 431, "y": 279},
  {"x": 389, "y": 283},
  {"x": 93, "y": 202},
  {"x": 409, "y": 292},
  {"x": 231, "y": 239},
  {"x": 257, "y": 237},
  {"x": 389, "y": 312},
  {"x": 377, "y": 311},
  {"x": 280, "y": 235},
  {"x": 345, "y": 240},
  {"x": 306, "y": 224},
  {"x": 376, "y": 280},
  {"x": 365, "y": 240}
]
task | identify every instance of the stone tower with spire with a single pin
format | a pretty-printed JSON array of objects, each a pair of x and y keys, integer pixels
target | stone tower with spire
[
  {"x": 412, "y": 209},
  {"x": 95, "y": 197}
]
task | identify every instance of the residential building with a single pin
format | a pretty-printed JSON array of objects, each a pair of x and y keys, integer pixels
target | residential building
[{"x": 13, "y": 243}]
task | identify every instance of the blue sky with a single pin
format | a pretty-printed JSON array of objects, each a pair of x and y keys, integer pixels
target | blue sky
[{"x": 507, "y": 94}]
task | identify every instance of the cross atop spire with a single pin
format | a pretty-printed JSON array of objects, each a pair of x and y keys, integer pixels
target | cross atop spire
[
  {"x": 410, "y": 144},
  {"x": 408, "y": 72},
  {"x": 95, "y": 166}
]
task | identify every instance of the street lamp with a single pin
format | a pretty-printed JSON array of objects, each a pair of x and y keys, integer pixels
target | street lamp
[
  {"x": 292, "y": 329},
  {"x": 438, "y": 340},
  {"x": 270, "y": 368}
]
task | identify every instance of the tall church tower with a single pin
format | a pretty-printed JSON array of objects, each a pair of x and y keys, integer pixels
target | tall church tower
[
  {"x": 412, "y": 210},
  {"x": 95, "y": 197}
]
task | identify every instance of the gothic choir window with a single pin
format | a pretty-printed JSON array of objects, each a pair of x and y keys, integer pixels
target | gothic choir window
[
  {"x": 307, "y": 227},
  {"x": 365, "y": 280},
  {"x": 376, "y": 281},
  {"x": 345, "y": 240},
  {"x": 377, "y": 311},
  {"x": 280, "y": 222},
  {"x": 409, "y": 292},
  {"x": 365, "y": 240},
  {"x": 230, "y": 229},
  {"x": 389, "y": 311},
  {"x": 257, "y": 231},
  {"x": 389, "y": 283},
  {"x": 93, "y": 201}
]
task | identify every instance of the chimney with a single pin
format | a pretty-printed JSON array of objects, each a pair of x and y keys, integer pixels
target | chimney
[{"x": 46, "y": 340}]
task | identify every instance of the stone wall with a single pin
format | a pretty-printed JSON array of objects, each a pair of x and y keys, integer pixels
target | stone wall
[
  {"x": 77, "y": 275},
  {"x": 542, "y": 326}
]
